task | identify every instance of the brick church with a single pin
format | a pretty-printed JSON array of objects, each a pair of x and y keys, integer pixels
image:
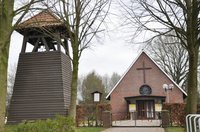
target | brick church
[{"x": 143, "y": 90}]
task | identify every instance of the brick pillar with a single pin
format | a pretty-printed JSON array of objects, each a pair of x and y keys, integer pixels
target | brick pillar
[
  {"x": 165, "y": 117},
  {"x": 106, "y": 117}
]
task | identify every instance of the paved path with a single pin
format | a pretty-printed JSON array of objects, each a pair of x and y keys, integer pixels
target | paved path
[
  {"x": 134, "y": 129},
  {"x": 136, "y": 123}
]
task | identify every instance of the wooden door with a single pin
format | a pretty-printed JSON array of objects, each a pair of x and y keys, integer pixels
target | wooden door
[{"x": 145, "y": 109}]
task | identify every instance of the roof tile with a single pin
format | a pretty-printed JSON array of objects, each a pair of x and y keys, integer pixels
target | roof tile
[{"x": 42, "y": 19}]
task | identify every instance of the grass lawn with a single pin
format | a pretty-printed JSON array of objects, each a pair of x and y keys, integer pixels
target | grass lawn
[
  {"x": 11, "y": 128},
  {"x": 90, "y": 129},
  {"x": 174, "y": 129}
]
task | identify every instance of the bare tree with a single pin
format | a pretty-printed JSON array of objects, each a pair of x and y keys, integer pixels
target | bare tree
[
  {"x": 83, "y": 20},
  {"x": 162, "y": 17},
  {"x": 115, "y": 77},
  {"x": 171, "y": 57},
  {"x": 7, "y": 13},
  {"x": 106, "y": 82},
  {"x": 110, "y": 81},
  {"x": 10, "y": 84}
]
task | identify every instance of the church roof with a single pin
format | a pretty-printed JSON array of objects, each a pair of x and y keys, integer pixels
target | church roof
[
  {"x": 42, "y": 19},
  {"x": 143, "y": 52}
]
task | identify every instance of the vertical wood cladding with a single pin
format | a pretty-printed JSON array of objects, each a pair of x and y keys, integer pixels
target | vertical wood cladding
[{"x": 42, "y": 86}]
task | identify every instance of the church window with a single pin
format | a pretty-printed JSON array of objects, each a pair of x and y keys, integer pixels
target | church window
[{"x": 145, "y": 90}]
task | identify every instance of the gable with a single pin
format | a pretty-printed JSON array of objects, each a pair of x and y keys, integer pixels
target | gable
[{"x": 144, "y": 70}]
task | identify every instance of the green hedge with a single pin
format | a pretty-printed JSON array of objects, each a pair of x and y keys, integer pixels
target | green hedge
[{"x": 59, "y": 124}]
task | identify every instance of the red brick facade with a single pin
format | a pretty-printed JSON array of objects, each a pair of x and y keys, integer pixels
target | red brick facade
[{"x": 130, "y": 83}]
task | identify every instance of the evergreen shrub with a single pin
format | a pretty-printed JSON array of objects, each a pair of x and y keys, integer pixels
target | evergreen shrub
[{"x": 59, "y": 124}]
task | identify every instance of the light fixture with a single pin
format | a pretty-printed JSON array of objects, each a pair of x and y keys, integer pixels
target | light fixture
[{"x": 168, "y": 87}]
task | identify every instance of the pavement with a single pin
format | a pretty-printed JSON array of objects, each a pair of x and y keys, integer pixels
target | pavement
[
  {"x": 134, "y": 129},
  {"x": 141, "y": 123}
]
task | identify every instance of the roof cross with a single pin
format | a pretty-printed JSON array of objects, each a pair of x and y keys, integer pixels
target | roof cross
[{"x": 144, "y": 69}]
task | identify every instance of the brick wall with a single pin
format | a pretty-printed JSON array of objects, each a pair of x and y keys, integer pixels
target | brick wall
[{"x": 132, "y": 81}]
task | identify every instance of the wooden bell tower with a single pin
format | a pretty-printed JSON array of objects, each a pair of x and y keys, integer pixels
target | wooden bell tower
[{"x": 43, "y": 78}]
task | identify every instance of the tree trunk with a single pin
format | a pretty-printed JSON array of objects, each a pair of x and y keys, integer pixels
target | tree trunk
[
  {"x": 4, "y": 50},
  {"x": 3, "y": 80},
  {"x": 3, "y": 88},
  {"x": 6, "y": 17},
  {"x": 191, "y": 107},
  {"x": 192, "y": 48},
  {"x": 74, "y": 83}
]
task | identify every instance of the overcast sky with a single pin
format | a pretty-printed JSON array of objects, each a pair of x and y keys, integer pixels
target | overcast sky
[{"x": 113, "y": 54}]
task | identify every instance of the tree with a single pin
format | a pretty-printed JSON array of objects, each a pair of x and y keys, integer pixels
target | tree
[
  {"x": 91, "y": 83},
  {"x": 110, "y": 81},
  {"x": 171, "y": 57},
  {"x": 106, "y": 82},
  {"x": 114, "y": 79},
  {"x": 79, "y": 89},
  {"x": 83, "y": 20},
  {"x": 10, "y": 83},
  {"x": 7, "y": 14},
  {"x": 6, "y": 8},
  {"x": 161, "y": 18}
]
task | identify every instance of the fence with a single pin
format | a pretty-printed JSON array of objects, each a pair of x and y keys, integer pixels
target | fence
[
  {"x": 91, "y": 115},
  {"x": 141, "y": 118},
  {"x": 141, "y": 115},
  {"x": 193, "y": 122}
]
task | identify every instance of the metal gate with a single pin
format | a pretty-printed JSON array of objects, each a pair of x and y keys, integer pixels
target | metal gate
[{"x": 134, "y": 120}]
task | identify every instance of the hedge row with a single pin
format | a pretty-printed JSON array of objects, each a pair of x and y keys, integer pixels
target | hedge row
[
  {"x": 86, "y": 114},
  {"x": 177, "y": 113}
]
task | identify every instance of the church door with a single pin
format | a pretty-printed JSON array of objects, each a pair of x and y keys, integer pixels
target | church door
[{"x": 145, "y": 109}]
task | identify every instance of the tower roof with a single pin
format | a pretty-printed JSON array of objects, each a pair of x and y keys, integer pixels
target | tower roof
[{"x": 45, "y": 18}]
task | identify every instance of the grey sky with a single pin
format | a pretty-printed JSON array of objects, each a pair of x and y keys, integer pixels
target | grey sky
[{"x": 113, "y": 54}]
